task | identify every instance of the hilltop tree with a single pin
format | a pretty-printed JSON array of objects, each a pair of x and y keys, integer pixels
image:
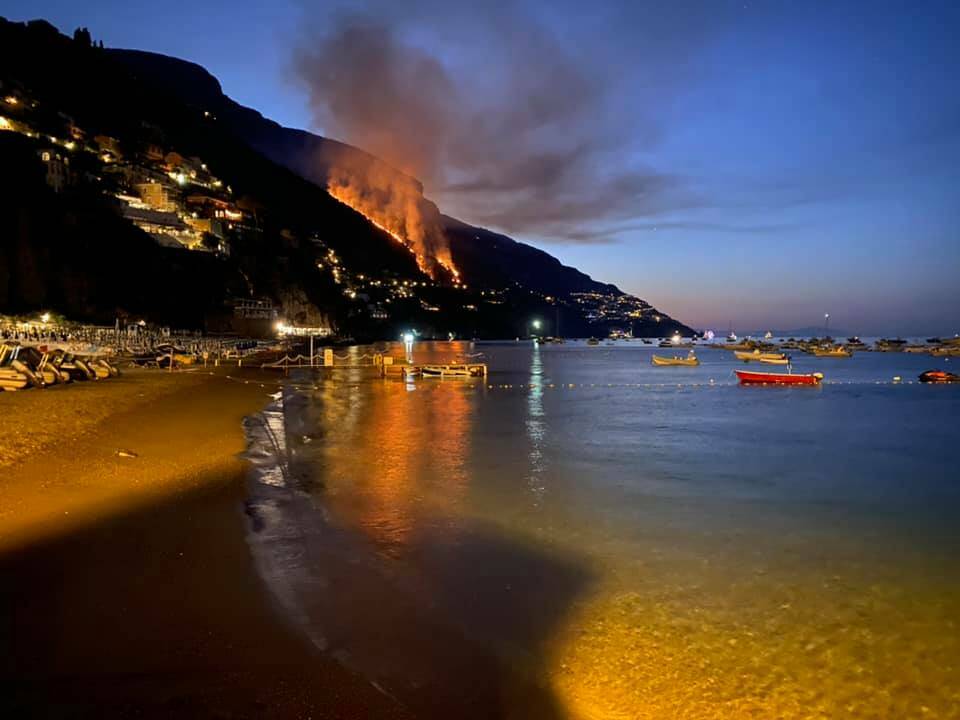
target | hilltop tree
[{"x": 82, "y": 36}]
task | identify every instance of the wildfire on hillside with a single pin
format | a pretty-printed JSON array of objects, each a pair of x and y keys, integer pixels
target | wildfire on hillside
[{"x": 397, "y": 208}]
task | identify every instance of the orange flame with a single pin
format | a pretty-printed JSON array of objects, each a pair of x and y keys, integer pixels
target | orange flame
[{"x": 397, "y": 211}]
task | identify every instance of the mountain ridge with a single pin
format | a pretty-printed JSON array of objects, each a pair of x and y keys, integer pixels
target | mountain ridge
[
  {"x": 291, "y": 224},
  {"x": 308, "y": 154}
]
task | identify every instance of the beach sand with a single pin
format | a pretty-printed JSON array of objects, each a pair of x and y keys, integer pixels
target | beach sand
[{"x": 126, "y": 583}]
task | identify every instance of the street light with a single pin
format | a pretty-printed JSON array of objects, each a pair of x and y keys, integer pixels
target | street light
[
  {"x": 536, "y": 324},
  {"x": 826, "y": 323}
]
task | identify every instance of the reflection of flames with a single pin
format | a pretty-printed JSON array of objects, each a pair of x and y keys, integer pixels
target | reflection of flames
[
  {"x": 397, "y": 208},
  {"x": 409, "y": 464}
]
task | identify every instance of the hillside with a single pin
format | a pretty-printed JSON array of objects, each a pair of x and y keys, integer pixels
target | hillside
[{"x": 158, "y": 176}]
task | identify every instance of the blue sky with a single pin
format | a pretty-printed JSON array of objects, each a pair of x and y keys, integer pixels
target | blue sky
[{"x": 758, "y": 163}]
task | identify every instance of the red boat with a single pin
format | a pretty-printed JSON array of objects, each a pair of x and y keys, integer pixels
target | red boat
[
  {"x": 764, "y": 378},
  {"x": 939, "y": 376}
]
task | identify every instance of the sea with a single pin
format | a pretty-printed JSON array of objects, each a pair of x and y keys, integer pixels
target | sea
[{"x": 581, "y": 534}]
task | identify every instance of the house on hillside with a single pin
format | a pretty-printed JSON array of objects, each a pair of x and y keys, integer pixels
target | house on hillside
[{"x": 59, "y": 175}]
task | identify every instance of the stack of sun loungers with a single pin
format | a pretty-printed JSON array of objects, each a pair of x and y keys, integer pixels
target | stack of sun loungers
[{"x": 23, "y": 366}]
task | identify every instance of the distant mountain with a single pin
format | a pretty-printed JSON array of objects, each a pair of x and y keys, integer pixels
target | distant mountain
[{"x": 306, "y": 249}]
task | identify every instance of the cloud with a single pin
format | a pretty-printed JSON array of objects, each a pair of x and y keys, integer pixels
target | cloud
[
  {"x": 508, "y": 120},
  {"x": 610, "y": 234}
]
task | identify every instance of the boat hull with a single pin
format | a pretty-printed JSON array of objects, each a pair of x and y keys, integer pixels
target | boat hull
[
  {"x": 939, "y": 376},
  {"x": 764, "y": 378},
  {"x": 682, "y": 362}
]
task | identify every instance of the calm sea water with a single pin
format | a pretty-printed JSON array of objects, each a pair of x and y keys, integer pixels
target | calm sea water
[{"x": 585, "y": 535}]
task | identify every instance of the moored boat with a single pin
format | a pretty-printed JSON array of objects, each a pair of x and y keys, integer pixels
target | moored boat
[
  {"x": 443, "y": 371},
  {"x": 689, "y": 361},
  {"x": 766, "y": 378},
  {"x": 783, "y": 360},
  {"x": 837, "y": 352},
  {"x": 939, "y": 376},
  {"x": 757, "y": 356}
]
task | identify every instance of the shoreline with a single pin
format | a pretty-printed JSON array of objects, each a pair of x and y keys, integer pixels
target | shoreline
[{"x": 127, "y": 587}]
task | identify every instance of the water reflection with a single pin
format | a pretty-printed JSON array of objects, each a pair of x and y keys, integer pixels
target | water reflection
[
  {"x": 536, "y": 427},
  {"x": 695, "y": 554},
  {"x": 397, "y": 457}
]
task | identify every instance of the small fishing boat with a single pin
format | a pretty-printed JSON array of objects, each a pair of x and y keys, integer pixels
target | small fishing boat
[
  {"x": 443, "y": 371},
  {"x": 939, "y": 376},
  {"x": 593, "y": 341},
  {"x": 772, "y": 360},
  {"x": 837, "y": 352},
  {"x": 757, "y": 356},
  {"x": 890, "y": 345},
  {"x": 765, "y": 378},
  {"x": 690, "y": 361}
]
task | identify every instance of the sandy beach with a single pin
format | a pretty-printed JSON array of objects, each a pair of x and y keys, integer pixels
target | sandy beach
[{"x": 126, "y": 585}]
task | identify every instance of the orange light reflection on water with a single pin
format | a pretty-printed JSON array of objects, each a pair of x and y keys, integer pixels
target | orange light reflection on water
[{"x": 413, "y": 444}]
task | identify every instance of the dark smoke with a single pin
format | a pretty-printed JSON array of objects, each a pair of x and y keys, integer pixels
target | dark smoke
[{"x": 506, "y": 122}]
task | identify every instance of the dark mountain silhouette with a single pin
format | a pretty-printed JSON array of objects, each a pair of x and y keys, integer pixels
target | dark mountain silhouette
[
  {"x": 486, "y": 257},
  {"x": 71, "y": 251}
]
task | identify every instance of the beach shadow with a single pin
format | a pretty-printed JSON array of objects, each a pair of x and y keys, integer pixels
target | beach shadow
[
  {"x": 158, "y": 612},
  {"x": 457, "y": 625}
]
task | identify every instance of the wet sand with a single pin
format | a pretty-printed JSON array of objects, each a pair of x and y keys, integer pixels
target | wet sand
[{"x": 126, "y": 585}]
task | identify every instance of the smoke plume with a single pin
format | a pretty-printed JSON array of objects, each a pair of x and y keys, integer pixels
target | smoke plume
[{"x": 506, "y": 120}]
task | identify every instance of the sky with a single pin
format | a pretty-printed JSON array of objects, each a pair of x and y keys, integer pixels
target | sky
[{"x": 756, "y": 163}]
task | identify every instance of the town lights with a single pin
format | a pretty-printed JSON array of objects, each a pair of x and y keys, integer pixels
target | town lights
[
  {"x": 280, "y": 327},
  {"x": 45, "y": 318},
  {"x": 675, "y": 339}
]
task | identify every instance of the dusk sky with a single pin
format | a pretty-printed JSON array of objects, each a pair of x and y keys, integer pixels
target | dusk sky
[{"x": 759, "y": 162}]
